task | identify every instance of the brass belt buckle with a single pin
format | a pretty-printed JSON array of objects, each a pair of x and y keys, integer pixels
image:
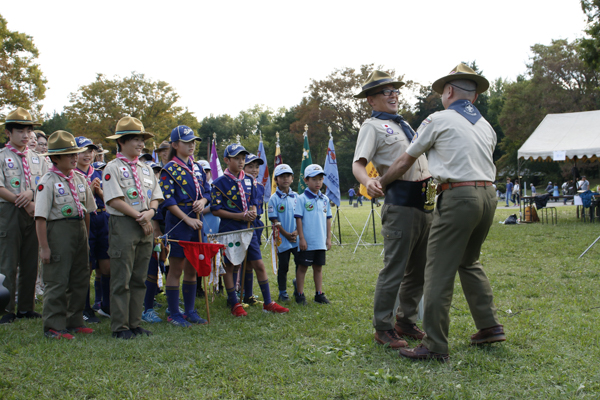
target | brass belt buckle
[{"x": 430, "y": 193}]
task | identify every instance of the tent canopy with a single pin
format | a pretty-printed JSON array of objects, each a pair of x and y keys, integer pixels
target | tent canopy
[{"x": 561, "y": 137}]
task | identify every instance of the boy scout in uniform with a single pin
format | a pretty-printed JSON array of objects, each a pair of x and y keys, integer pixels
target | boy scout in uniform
[
  {"x": 131, "y": 195},
  {"x": 64, "y": 201},
  {"x": 464, "y": 212},
  {"x": 21, "y": 169},
  {"x": 405, "y": 215}
]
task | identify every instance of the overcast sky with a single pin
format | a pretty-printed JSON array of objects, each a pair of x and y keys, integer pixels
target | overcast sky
[{"x": 224, "y": 57}]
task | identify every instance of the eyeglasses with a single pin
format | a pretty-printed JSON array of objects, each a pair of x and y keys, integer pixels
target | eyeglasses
[
  {"x": 42, "y": 144},
  {"x": 387, "y": 92}
]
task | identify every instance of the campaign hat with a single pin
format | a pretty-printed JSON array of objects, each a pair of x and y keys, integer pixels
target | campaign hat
[
  {"x": 20, "y": 116},
  {"x": 130, "y": 126},
  {"x": 101, "y": 149},
  {"x": 375, "y": 80},
  {"x": 62, "y": 142},
  {"x": 461, "y": 71}
]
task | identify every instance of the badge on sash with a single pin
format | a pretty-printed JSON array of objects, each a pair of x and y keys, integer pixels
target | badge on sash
[
  {"x": 146, "y": 171},
  {"x": 81, "y": 188},
  {"x": 35, "y": 160}
]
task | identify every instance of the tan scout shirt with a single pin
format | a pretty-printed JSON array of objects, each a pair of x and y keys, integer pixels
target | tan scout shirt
[
  {"x": 375, "y": 143},
  {"x": 458, "y": 150},
  {"x": 117, "y": 181},
  {"x": 12, "y": 175},
  {"x": 55, "y": 200}
]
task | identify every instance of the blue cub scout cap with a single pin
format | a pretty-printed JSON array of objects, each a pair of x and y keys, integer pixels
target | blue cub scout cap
[
  {"x": 234, "y": 149},
  {"x": 98, "y": 164},
  {"x": 313, "y": 170},
  {"x": 253, "y": 157},
  {"x": 205, "y": 165},
  {"x": 283, "y": 169},
  {"x": 82, "y": 141},
  {"x": 184, "y": 134}
]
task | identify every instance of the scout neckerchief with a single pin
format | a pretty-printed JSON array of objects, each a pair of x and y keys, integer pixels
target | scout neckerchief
[
  {"x": 319, "y": 194},
  {"x": 136, "y": 178},
  {"x": 23, "y": 155},
  {"x": 69, "y": 179},
  {"x": 408, "y": 131},
  {"x": 185, "y": 166},
  {"x": 283, "y": 195},
  {"x": 86, "y": 175},
  {"x": 467, "y": 110},
  {"x": 240, "y": 187}
]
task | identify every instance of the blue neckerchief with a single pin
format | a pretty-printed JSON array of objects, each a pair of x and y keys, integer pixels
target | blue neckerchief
[
  {"x": 408, "y": 131},
  {"x": 312, "y": 195},
  {"x": 283, "y": 195},
  {"x": 466, "y": 109}
]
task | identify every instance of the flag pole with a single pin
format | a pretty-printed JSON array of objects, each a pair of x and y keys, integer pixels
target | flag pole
[
  {"x": 204, "y": 278},
  {"x": 337, "y": 216}
]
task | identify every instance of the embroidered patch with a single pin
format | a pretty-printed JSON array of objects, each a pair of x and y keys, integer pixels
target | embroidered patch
[
  {"x": 164, "y": 178},
  {"x": 10, "y": 163},
  {"x": 145, "y": 171},
  {"x": 309, "y": 206},
  {"x": 149, "y": 193},
  {"x": 132, "y": 193},
  {"x": 107, "y": 177},
  {"x": 67, "y": 211},
  {"x": 61, "y": 191},
  {"x": 40, "y": 188},
  {"x": 230, "y": 204},
  {"x": 15, "y": 182},
  {"x": 281, "y": 208},
  {"x": 167, "y": 196},
  {"x": 81, "y": 187},
  {"x": 183, "y": 191},
  {"x": 37, "y": 179},
  {"x": 35, "y": 160},
  {"x": 270, "y": 208},
  {"x": 390, "y": 131},
  {"x": 426, "y": 121}
]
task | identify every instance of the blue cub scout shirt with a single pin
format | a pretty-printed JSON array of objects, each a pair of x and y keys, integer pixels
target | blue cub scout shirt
[
  {"x": 314, "y": 210},
  {"x": 225, "y": 196},
  {"x": 282, "y": 206}
]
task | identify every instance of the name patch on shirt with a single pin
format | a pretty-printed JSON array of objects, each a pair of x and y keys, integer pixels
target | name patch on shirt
[
  {"x": 146, "y": 171},
  {"x": 248, "y": 181},
  {"x": 35, "y": 160},
  {"x": 81, "y": 188},
  {"x": 148, "y": 181}
]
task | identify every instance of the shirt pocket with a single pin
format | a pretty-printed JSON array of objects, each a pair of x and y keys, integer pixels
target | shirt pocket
[{"x": 392, "y": 139}]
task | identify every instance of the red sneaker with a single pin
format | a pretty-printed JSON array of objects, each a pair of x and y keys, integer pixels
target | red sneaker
[
  {"x": 238, "y": 310},
  {"x": 51, "y": 333},
  {"x": 275, "y": 308},
  {"x": 81, "y": 329}
]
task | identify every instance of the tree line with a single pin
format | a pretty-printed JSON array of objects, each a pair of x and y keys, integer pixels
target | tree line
[{"x": 560, "y": 77}]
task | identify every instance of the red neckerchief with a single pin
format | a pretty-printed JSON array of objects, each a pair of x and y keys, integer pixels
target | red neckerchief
[
  {"x": 136, "y": 178},
  {"x": 86, "y": 175},
  {"x": 23, "y": 155}
]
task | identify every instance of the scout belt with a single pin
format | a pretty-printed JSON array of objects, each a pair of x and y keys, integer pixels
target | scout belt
[
  {"x": 419, "y": 195},
  {"x": 450, "y": 185}
]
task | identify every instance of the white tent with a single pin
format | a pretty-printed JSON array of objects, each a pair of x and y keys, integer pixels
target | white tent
[{"x": 560, "y": 137}]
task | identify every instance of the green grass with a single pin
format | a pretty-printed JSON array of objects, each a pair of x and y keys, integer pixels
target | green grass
[{"x": 547, "y": 299}]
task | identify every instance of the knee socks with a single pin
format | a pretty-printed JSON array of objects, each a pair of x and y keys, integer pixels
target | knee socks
[
  {"x": 172, "y": 294},
  {"x": 248, "y": 282},
  {"x": 151, "y": 287},
  {"x": 264, "y": 288},
  {"x": 189, "y": 295}
]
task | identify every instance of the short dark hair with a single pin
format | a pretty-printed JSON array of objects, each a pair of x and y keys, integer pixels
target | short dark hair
[
  {"x": 12, "y": 125},
  {"x": 40, "y": 134},
  {"x": 123, "y": 140},
  {"x": 52, "y": 158}
]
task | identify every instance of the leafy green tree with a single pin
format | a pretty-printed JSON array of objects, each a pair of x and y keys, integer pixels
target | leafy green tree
[
  {"x": 22, "y": 83},
  {"x": 54, "y": 123},
  {"x": 96, "y": 108},
  {"x": 590, "y": 45}
]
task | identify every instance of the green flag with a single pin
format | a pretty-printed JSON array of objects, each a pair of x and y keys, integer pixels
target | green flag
[{"x": 306, "y": 161}]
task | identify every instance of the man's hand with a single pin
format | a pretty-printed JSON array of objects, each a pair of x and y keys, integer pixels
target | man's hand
[
  {"x": 24, "y": 198},
  {"x": 144, "y": 219},
  {"x": 374, "y": 188},
  {"x": 45, "y": 254}
]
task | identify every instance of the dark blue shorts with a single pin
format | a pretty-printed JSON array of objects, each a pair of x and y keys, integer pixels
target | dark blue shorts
[
  {"x": 309, "y": 258},
  {"x": 98, "y": 239}
]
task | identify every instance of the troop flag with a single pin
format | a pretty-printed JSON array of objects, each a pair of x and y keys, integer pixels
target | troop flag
[
  {"x": 215, "y": 164},
  {"x": 372, "y": 172},
  {"x": 263, "y": 171},
  {"x": 278, "y": 161},
  {"x": 200, "y": 255},
  {"x": 306, "y": 161},
  {"x": 332, "y": 178},
  {"x": 236, "y": 245}
]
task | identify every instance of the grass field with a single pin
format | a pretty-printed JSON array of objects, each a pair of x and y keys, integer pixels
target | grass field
[{"x": 547, "y": 299}]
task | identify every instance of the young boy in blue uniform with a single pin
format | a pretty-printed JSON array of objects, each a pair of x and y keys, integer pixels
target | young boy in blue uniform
[
  {"x": 186, "y": 194},
  {"x": 233, "y": 198},
  {"x": 281, "y": 209},
  {"x": 251, "y": 168},
  {"x": 98, "y": 235},
  {"x": 313, "y": 214}
]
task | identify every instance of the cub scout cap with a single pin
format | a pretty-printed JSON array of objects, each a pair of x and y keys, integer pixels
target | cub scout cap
[
  {"x": 253, "y": 157},
  {"x": 155, "y": 166},
  {"x": 146, "y": 157},
  {"x": 205, "y": 165},
  {"x": 99, "y": 165},
  {"x": 313, "y": 170},
  {"x": 22, "y": 117},
  {"x": 282, "y": 169},
  {"x": 82, "y": 141},
  {"x": 234, "y": 149},
  {"x": 184, "y": 134}
]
